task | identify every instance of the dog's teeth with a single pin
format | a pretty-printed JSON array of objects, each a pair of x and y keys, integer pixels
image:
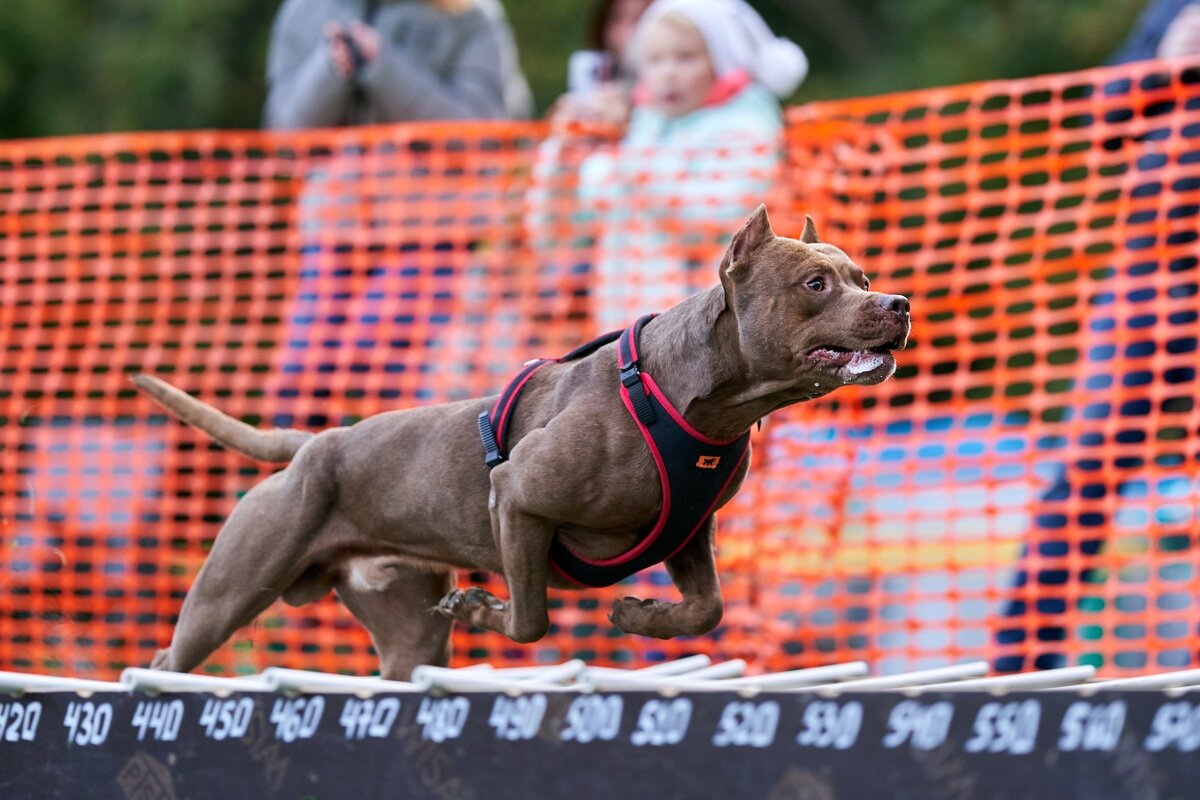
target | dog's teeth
[{"x": 862, "y": 362}]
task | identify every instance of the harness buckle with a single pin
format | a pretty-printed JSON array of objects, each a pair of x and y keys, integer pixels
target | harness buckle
[
  {"x": 631, "y": 379},
  {"x": 492, "y": 455},
  {"x": 630, "y": 376}
]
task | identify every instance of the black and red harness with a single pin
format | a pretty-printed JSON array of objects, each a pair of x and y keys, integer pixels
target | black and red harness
[{"x": 694, "y": 469}]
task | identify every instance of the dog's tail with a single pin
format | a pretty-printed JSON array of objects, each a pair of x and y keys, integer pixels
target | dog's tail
[{"x": 275, "y": 445}]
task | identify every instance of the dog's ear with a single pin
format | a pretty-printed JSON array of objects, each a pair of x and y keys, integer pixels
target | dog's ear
[
  {"x": 809, "y": 235},
  {"x": 753, "y": 235}
]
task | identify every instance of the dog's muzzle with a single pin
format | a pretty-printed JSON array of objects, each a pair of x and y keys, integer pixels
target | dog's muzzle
[{"x": 874, "y": 363}]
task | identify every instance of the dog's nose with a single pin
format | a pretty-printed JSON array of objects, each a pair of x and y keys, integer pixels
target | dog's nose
[{"x": 895, "y": 303}]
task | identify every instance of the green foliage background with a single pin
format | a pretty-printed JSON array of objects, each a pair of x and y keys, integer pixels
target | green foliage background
[{"x": 79, "y": 66}]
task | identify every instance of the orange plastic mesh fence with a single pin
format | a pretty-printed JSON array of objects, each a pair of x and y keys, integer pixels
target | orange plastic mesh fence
[{"x": 1024, "y": 491}]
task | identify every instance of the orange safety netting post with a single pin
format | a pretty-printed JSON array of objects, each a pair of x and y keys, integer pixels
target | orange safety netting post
[{"x": 1024, "y": 490}]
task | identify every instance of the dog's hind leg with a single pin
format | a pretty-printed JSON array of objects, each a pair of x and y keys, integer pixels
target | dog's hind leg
[
  {"x": 694, "y": 571},
  {"x": 258, "y": 554},
  {"x": 401, "y": 618}
]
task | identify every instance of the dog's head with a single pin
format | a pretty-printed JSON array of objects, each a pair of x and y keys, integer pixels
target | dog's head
[{"x": 806, "y": 312}]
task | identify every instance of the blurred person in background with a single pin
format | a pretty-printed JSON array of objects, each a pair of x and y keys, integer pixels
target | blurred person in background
[
  {"x": 701, "y": 150},
  {"x": 349, "y": 62},
  {"x": 600, "y": 79},
  {"x": 356, "y": 62},
  {"x": 613, "y": 25},
  {"x": 1115, "y": 356},
  {"x": 1166, "y": 29}
]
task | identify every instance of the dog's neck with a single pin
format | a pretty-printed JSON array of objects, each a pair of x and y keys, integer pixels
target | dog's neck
[{"x": 694, "y": 355}]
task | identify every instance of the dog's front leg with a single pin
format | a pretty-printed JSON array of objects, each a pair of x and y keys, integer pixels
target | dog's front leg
[
  {"x": 524, "y": 541},
  {"x": 694, "y": 571}
]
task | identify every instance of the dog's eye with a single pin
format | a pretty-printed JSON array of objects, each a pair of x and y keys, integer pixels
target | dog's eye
[
  {"x": 816, "y": 284},
  {"x": 867, "y": 284}
]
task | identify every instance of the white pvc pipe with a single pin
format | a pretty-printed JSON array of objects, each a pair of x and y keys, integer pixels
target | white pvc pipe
[
  {"x": 924, "y": 677},
  {"x": 550, "y": 673},
  {"x": 812, "y": 676},
  {"x": 156, "y": 680},
  {"x": 733, "y": 668},
  {"x": 19, "y": 683},
  {"x": 591, "y": 681},
  {"x": 677, "y": 667},
  {"x": 306, "y": 682},
  {"x": 453, "y": 680},
  {"x": 1166, "y": 680},
  {"x": 777, "y": 681},
  {"x": 1025, "y": 681}
]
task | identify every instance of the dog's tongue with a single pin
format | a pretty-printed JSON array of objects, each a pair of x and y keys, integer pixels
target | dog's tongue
[
  {"x": 850, "y": 362},
  {"x": 839, "y": 357},
  {"x": 861, "y": 361}
]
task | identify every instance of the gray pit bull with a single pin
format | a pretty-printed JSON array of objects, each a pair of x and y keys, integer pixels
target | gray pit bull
[{"x": 385, "y": 511}]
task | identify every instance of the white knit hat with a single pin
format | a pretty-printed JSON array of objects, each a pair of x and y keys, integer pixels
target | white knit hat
[{"x": 737, "y": 39}]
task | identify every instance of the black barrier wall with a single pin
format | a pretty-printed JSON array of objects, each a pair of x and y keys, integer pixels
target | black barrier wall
[{"x": 1119, "y": 745}]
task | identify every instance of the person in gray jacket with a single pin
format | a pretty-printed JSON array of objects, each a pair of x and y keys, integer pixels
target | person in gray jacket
[{"x": 353, "y": 62}]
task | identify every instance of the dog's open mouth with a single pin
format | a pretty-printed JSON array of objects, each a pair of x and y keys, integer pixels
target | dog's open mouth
[{"x": 852, "y": 363}]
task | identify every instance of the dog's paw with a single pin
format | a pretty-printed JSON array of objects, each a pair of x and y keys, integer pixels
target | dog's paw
[{"x": 468, "y": 605}]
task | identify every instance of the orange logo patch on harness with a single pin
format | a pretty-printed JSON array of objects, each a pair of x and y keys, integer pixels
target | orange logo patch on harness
[{"x": 708, "y": 462}]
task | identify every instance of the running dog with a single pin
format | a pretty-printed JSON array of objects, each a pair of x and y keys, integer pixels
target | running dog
[{"x": 384, "y": 512}]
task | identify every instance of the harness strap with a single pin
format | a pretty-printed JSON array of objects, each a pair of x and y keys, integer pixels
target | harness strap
[
  {"x": 694, "y": 471},
  {"x": 631, "y": 376},
  {"x": 494, "y": 424}
]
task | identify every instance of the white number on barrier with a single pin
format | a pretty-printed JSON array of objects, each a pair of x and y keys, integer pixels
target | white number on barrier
[
  {"x": 1177, "y": 725},
  {"x": 662, "y": 722},
  {"x": 592, "y": 717},
  {"x": 518, "y": 719},
  {"x": 1006, "y": 728},
  {"x": 88, "y": 723},
  {"x": 226, "y": 719},
  {"x": 443, "y": 718},
  {"x": 926, "y": 727},
  {"x": 161, "y": 718},
  {"x": 1092, "y": 726},
  {"x": 19, "y": 721},
  {"x": 369, "y": 718},
  {"x": 826, "y": 724},
  {"x": 745, "y": 724},
  {"x": 297, "y": 717}
]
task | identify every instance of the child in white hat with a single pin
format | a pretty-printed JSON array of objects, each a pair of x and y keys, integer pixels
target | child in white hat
[
  {"x": 738, "y": 46},
  {"x": 700, "y": 152}
]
